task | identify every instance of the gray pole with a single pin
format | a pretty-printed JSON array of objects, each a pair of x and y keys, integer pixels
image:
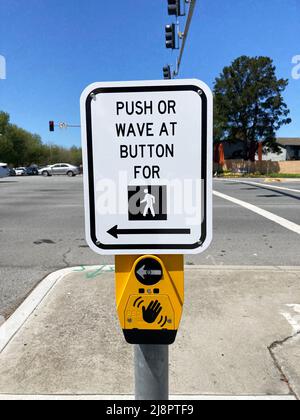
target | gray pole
[
  {"x": 151, "y": 372},
  {"x": 186, "y": 32}
]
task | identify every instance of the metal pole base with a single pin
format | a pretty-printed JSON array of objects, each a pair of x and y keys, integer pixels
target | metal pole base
[{"x": 151, "y": 372}]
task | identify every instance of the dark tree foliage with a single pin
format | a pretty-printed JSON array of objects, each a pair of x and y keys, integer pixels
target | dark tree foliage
[
  {"x": 18, "y": 147},
  {"x": 249, "y": 106}
]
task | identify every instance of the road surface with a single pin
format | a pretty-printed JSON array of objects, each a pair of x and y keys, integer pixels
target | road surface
[{"x": 42, "y": 229}]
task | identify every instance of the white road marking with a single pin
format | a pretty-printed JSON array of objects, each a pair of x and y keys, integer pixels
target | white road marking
[
  {"x": 293, "y": 317},
  {"x": 264, "y": 185},
  {"x": 264, "y": 213}
]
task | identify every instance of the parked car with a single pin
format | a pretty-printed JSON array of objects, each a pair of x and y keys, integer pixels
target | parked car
[
  {"x": 11, "y": 172},
  {"x": 32, "y": 170},
  {"x": 59, "y": 169},
  {"x": 20, "y": 171}
]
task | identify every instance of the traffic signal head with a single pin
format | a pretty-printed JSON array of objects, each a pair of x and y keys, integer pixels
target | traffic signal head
[
  {"x": 171, "y": 36},
  {"x": 167, "y": 73},
  {"x": 174, "y": 7},
  {"x": 51, "y": 126}
]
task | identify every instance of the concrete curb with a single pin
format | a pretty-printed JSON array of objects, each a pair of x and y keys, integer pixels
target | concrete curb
[
  {"x": 10, "y": 328},
  {"x": 19, "y": 317}
]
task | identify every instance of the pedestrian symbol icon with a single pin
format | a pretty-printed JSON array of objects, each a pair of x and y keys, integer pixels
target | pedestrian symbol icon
[
  {"x": 149, "y": 200},
  {"x": 147, "y": 203}
]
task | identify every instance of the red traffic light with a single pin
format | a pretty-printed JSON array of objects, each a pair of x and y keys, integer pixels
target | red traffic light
[{"x": 51, "y": 126}]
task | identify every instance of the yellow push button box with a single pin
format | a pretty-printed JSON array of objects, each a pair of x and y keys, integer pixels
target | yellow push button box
[{"x": 150, "y": 296}]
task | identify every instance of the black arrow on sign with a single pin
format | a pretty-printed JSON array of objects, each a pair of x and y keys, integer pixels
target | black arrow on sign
[{"x": 115, "y": 232}]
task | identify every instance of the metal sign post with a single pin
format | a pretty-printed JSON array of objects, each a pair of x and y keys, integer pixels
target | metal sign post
[
  {"x": 151, "y": 365},
  {"x": 150, "y": 295}
]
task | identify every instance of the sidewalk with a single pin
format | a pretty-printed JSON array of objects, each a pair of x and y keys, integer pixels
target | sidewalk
[{"x": 239, "y": 336}]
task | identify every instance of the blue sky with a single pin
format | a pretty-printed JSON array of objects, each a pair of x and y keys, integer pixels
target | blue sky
[{"x": 55, "y": 48}]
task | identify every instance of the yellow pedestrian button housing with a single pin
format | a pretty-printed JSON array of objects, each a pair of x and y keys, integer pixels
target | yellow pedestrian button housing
[{"x": 150, "y": 296}]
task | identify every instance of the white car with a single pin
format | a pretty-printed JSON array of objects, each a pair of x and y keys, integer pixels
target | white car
[
  {"x": 20, "y": 171},
  {"x": 59, "y": 169}
]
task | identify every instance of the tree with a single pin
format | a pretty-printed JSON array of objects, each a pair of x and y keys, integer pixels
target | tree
[
  {"x": 76, "y": 156},
  {"x": 6, "y": 146},
  {"x": 249, "y": 106},
  {"x": 4, "y": 122},
  {"x": 19, "y": 147}
]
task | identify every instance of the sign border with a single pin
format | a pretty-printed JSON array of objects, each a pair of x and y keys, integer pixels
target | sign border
[{"x": 127, "y": 88}]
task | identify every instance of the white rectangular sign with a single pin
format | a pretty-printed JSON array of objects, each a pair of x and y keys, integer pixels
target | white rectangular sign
[{"x": 147, "y": 150}]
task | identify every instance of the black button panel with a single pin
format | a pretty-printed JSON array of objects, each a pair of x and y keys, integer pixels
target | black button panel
[{"x": 149, "y": 271}]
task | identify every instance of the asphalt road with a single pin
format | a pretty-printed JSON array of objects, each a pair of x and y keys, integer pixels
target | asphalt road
[{"x": 42, "y": 230}]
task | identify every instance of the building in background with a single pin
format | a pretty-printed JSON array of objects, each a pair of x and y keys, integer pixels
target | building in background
[
  {"x": 291, "y": 147},
  {"x": 228, "y": 156},
  {"x": 289, "y": 150}
]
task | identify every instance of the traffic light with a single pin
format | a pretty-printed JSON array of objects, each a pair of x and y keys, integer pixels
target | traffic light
[
  {"x": 171, "y": 36},
  {"x": 174, "y": 7},
  {"x": 51, "y": 126},
  {"x": 167, "y": 72}
]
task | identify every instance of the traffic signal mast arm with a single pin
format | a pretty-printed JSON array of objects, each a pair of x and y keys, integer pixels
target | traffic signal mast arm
[
  {"x": 171, "y": 31},
  {"x": 61, "y": 125},
  {"x": 185, "y": 34}
]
